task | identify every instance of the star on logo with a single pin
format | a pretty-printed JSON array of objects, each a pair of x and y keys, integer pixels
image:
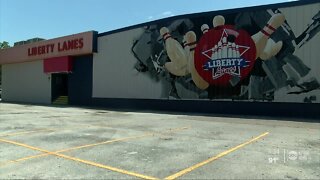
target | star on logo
[{"x": 226, "y": 57}]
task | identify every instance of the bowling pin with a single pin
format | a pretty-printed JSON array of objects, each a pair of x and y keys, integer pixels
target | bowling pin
[
  {"x": 277, "y": 48},
  {"x": 271, "y": 49},
  {"x": 219, "y": 53},
  {"x": 176, "y": 70},
  {"x": 177, "y": 55},
  {"x": 260, "y": 39},
  {"x": 215, "y": 53},
  {"x": 218, "y": 21},
  {"x": 185, "y": 47},
  {"x": 230, "y": 53},
  {"x": 224, "y": 51},
  {"x": 191, "y": 40},
  {"x": 237, "y": 51},
  {"x": 184, "y": 42},
  {"x": 204, "y": 28},
  {"x": 234, "y": 52}
]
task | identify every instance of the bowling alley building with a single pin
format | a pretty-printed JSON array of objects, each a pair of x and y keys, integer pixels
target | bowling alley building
[{"x": 276, "y": 71}]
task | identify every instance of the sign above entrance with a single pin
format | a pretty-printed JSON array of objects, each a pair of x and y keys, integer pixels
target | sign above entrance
[
  {"x": 67, "y": 45},
  {"x": 58, "y": 65},
  {"x": 73, "y": 45}
]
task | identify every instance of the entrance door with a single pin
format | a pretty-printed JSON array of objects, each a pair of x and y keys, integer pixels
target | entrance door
[{"x": 59, "y": 85}]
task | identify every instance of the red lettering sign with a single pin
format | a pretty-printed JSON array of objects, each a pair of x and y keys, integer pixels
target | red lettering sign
[{"x": 67, "y": 45}]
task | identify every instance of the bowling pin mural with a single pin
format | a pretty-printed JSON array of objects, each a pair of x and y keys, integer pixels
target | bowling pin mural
[
  {"x": 217, "y": 50},
  {"x": 218, "y": 21},
  {"x": 261, "y": 38},
  {"x": 237, "y": 51},
  {"x": 191, "y": 40},
  {"x": 222, "y": 48},
  {"x": 177, "y": 55},
  {"x": 223, "y": 59},
  {"x": 272, "y": 48},
  {"x": 186, "y": 47},
  {"x": 224, "y": 51},
  {"x": 234, "y": 51},
  {"x": 204, "y": 28},
  {"x": 230, "y": 53}
]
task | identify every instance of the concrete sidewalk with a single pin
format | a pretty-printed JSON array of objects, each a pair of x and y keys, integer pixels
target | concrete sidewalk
[{"x": 41, "y": 142}]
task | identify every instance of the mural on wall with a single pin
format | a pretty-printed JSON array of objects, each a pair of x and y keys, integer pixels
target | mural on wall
[{"x": 239, "y": 56}]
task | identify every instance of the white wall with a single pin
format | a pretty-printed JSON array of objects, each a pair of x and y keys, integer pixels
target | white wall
[
  {"x": 114, "y": 75},
  {"x": 299, "y": 17},
  {"x": 26, "y": 82}
]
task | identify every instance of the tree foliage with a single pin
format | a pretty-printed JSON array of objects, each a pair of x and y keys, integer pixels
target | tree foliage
[{"x": 4, "y": 45}]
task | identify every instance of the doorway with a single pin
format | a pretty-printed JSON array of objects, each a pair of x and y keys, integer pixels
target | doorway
[{"x": 59, "y": 85}]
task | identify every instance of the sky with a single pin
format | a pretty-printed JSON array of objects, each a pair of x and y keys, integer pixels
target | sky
[{"x": 25, "y": 19}]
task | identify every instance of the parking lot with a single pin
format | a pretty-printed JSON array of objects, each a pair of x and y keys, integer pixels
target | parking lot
[{"x": 43, "y": 142}]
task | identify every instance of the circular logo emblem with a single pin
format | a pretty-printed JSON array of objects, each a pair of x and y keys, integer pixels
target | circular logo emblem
[
  {"x": 223, "y": 53},
  {"x": 293, "y": 155}
]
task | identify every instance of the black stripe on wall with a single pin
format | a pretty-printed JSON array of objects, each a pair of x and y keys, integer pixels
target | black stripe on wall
[
  {"x": 269, "y": 109},
  {"x": 80, "y": 81}
]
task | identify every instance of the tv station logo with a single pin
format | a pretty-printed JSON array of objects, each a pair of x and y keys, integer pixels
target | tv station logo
[
  {"x": 286, "y": 156},
  {"x": 223, "y": 53}
]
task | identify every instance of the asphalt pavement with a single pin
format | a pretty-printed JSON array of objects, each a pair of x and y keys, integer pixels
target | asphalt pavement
[{"x": 51, "y": 142}]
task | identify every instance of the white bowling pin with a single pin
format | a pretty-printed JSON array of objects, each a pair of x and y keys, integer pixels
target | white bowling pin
[
  {"x": 276, "y": 48},
  {"x": 237, "y": 52},
  {"x": 177, "y": 55},
  {"x": 191, "y": 40},
  {"x": 271, "y": 49},
  {"x": 185, "y": 47},
  {"x": 215, "y": 52},
  {"x": 234, "y": 52},
  {"x": 176, "y": 70},
  {"x": 219, "y": 50},
  {"x": 224, "y": 51},
  {"x": 262, "y": 37},
  {"x": 204, "y": 28},
  {"x": 184, "y": 42},
  {"x": 218, "y": 21},
  {"x": 230, "y": 53}
]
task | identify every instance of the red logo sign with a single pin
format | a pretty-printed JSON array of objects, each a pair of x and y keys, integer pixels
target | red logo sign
[
  {"x": 59, "y": 47},
  {"x": 224, "y": 52}
]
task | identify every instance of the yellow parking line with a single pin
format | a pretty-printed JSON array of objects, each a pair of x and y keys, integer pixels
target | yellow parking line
[
  {"x": 73, "y": 148},
  {"x": 80, "y": 160},
  {"x": 25, "y": 132},
  {"x": 95, "y": 144},
  {"x": 46, "y": 130},
  {"x": 56, "y": 129},
  {"x": 36, "y": 131},
  {"x": 187, "y": 170},
  {"x": 122, "y": 139}
]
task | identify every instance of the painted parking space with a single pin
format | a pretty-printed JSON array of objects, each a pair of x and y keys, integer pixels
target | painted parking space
[
  {"x": 8, "y": 152},
  {"x": 160, "y": 156},
  {"x": 84, "y": 146},
  {"x": 56, "y": 168},
  {"x": 149, "y": 145},
  {"x": 99, "y": 165}
]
